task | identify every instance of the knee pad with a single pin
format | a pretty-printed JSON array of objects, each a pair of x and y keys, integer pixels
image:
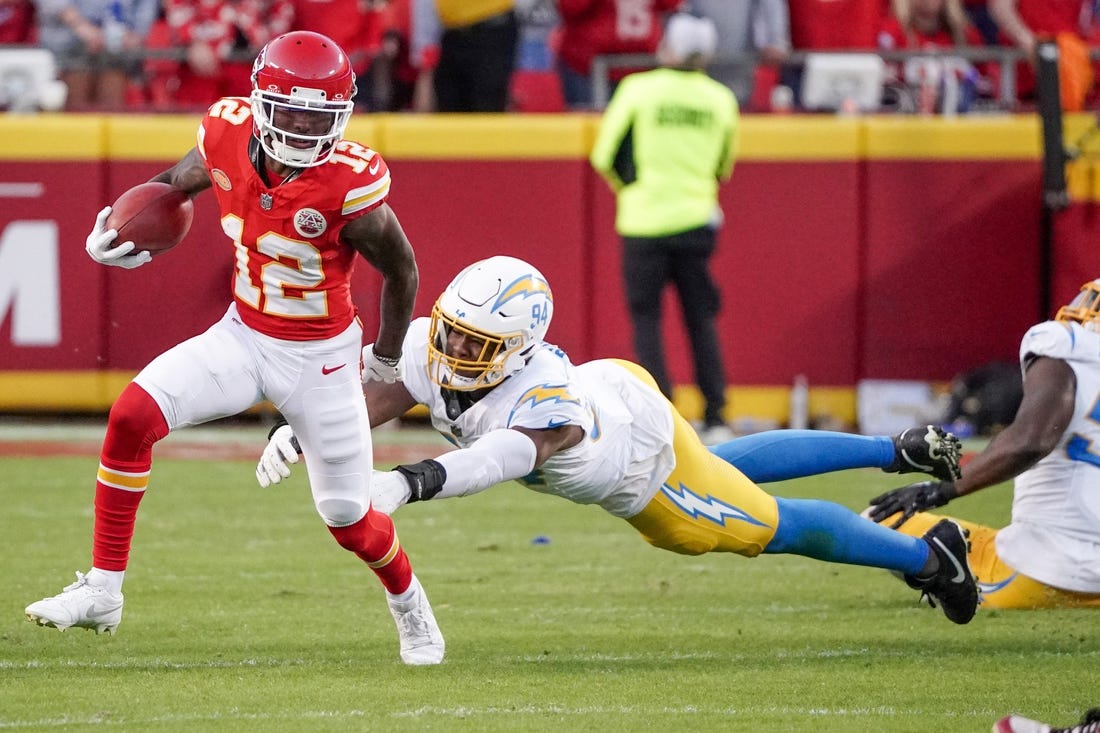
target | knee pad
[{"x": 340, "y": 512}]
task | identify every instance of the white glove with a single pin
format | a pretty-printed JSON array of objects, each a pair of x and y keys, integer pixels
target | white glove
[
  {"x": 388, "y": 491},
  {"x": 380, "y": 369},
  {"x": 99, "y": 247},
  {"x": 281, "y": 450}
]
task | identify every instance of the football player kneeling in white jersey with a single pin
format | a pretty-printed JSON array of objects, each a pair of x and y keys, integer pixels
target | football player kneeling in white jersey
[{"x": 1049, "y": 554}]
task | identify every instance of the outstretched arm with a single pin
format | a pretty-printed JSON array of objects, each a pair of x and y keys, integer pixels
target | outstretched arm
[
  {"x": 499, "y": 456},
  {"x": 1050, "y": 387}
]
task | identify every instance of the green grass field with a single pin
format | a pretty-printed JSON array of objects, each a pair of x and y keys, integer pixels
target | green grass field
[{"x": 243, "y": 614}]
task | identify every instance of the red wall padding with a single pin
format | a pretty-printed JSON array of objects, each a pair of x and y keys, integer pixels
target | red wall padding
[{"x": 839, "y": 270}]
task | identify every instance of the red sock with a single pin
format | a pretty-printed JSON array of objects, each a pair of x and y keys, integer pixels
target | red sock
[
  {"x": 374, "y": 540},
  {"x": 135, "y": 424}
]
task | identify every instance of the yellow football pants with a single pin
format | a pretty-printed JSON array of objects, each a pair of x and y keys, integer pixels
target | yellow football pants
[
  {"x": 999, "y": 584},
  {"x": 705, "y": 504}
]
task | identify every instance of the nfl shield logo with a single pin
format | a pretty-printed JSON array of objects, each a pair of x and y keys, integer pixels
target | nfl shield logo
[{"x": 266, "y": 201}]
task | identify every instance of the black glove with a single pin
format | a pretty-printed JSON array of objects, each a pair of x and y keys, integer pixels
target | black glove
[{"x": 911, "y": 499}]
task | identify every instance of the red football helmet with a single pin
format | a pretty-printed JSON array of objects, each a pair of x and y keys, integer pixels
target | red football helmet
[{"x": 302, "y": 89}]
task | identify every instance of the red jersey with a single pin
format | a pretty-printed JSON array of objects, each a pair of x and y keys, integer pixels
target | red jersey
[
  {"x": 292, "y": 278},
  {"x": 344, "y": 21},
  {"x": 835, "y": 24},
  {"x": 1048, "y": 17},
  {"x": 593, "y": 28},
  {"x": 893, "y": 36}
]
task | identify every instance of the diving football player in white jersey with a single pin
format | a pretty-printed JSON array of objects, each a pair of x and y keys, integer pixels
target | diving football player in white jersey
[
  {"x": 602, "y": 433},
  {"x": 1049, "y": 555}
]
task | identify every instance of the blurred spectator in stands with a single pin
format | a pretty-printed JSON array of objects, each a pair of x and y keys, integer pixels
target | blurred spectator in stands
[
  {"x": 536, "y": 86},
  {"x": 93, "y": 41},
  {"x": 749, "y": 32},
  {"x": 928, "y": 24},
  {"x": 832, "y": 25},
  {"x": 220, "y": 39},
  {"x": 390, "y": 78},
  {"x": 374, "y": 35},
  {"x": 978, "y": 13},
  {"x": 348, "y": 22},
  {"x": 1074, "y": 24},
  {"x": 17, "y": 22},
  {"x": 465, "y": 51},
  {"x": 932, "y": 25},
  {"x": 593, "y": 28}
]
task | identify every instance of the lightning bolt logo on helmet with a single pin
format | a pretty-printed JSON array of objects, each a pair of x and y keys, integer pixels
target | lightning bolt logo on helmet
[{"x": 525, "y": 287}]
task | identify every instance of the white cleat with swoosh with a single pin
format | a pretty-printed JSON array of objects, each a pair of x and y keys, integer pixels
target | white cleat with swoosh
[{"x": 80, "y": 604}]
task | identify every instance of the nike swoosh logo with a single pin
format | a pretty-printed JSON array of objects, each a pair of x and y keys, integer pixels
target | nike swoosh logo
[
  {"x": 960, "y": 574},
  {"x": 100, "y": 607},
  {"x": 330, "y": 370},
  {"x": 373, "y": 168},
  {"x": 913, "y": 463},
  {"x": 557, "y": 423}
]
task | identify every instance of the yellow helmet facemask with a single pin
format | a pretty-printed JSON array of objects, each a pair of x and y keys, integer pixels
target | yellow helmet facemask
[
  {"x": 1084, "y": 309},
  {"x": 488, "y": 368}
]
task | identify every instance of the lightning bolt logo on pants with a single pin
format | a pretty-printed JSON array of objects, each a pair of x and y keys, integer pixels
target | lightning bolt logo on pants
[{"x": 710, "y": 508}]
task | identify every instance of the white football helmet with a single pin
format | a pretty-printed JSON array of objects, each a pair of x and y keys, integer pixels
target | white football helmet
[
  {"x": 302, "y": 89},
  {"x": 1085, "y": 308},
  {"x": 503, "y": 303}
]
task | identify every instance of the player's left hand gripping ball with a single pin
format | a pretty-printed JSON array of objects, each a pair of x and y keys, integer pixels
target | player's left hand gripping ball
[{"x": 99, "y": 246}]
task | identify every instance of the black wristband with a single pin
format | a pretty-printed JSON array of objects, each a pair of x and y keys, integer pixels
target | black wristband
[
  {"x": 425, "y": 479},
  {"x": 390, "y": 361},
  {"x": 280, "y": 423}
]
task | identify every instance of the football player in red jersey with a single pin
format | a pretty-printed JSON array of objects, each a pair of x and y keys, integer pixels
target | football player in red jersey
[{"x": 297, "y": 203}]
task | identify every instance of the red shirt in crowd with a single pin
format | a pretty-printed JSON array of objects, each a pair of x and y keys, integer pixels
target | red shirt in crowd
[
  {"x": 591, "y": 28},
  {"x": 836, "y": 24},
  {"x": 16, "y": 21}
]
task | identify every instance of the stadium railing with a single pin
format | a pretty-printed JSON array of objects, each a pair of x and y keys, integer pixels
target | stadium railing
[{"x": 1005, "y": 57}]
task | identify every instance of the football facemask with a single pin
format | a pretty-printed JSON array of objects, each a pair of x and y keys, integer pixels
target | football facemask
[
  {"x": 488, "y": 323},
  {"x": 302, "y": 89},
  {"x": 1083, "y": 309}
]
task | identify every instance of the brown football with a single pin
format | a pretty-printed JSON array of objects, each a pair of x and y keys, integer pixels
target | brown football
[{"x": 154, "y": 216}]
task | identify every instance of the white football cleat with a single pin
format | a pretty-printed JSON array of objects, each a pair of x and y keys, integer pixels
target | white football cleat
[
  {"x": 82, "y": 605},
  {"x": 421, "y": 641}
]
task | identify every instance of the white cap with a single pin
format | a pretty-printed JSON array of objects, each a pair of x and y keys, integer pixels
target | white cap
[{"x": 686, "y": 36}]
